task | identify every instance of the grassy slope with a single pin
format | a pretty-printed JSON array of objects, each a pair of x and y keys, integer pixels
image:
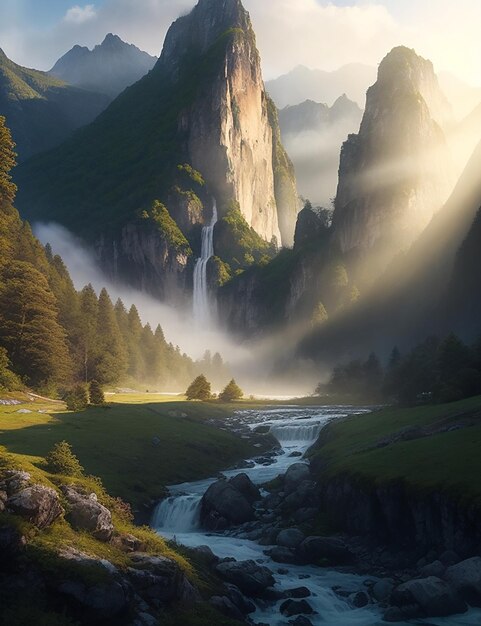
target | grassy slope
[
  {"x": 450, "y": 461},
  {"x": 116, "y": 443}
]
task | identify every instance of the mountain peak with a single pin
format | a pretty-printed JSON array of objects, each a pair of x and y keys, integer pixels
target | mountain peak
[
  {"x": 209, "y": 20},
  {"x": 112, "y": 41}
]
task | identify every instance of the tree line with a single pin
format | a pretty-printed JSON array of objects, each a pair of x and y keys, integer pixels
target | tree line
[
  {"x": 436, "y": 370},
  {"x": 53, "y": 337}
]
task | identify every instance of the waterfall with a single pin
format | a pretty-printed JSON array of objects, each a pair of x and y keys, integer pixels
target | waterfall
[
  {"x": 180, "y": 514},
  {"x": 296, "y": 434},
  {"x": 202, "y": 306}
]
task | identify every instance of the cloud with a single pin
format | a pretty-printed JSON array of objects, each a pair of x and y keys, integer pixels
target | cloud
[{"x": 80, "y": 15}]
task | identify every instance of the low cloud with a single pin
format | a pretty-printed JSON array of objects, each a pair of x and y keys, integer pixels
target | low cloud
[{"x": 80, "y": 15}]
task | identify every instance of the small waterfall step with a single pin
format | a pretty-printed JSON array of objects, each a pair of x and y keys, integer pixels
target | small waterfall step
[{"x": 179, "y": 514}]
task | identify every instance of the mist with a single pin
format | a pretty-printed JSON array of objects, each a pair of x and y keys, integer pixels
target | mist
[{"x": 255, "y": 365}]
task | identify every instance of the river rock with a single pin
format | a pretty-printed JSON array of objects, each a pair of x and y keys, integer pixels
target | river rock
[
  {"x": 290, "y": 538},
  {"x": 436, "y": 568},
  {"x": 223, "y": 505},
  {"x": 433, "y": 595},
  {"x": 225, "y": 606},
  {"x": 296, "y": 473},
  {"x": 206, "y": 554},
  {"x": 314, "y": 550},
  {"x": 251, "y": 578},
  {"x": 279, "y": 554},
  {"x": 298, "y": 593},
  {"x": 359, "y": 599},
  {"x": 465, "y": 577},
  {"x": 86, "y": 513},
  {"x": 290, "y": 608},
  {"x": 37, "y": 504},
  {"x": 382, "y": 589},
  {"x": 235, "y": 595},
  {"x": 299, "y": 495},
  {"x": 301, "y": 621},
  {"x": 246, "y": 487}
]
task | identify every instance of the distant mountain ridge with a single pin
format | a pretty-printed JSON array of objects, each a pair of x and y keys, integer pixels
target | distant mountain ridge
[
  {"x": 313, "y": 134},
  {"x": 42, "y": 111},
  {"x": 108, "y": 68},
  {"x": 303, "y": 83}
]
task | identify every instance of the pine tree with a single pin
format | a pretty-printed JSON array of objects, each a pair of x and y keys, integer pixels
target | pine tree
[
  {"x": 61, "y": 460},
  {"x": 136, "y": 361},
  {"x": 7, "y": 163},
  {"x": 111, "y": 358},
  {"x": 97, "y": 397},
  {"x": 231, "y": 392},
  {"x": 77, "y": 398},
  {"x": 88, "y": 345},
  {"x": 29, "y": 327},
  {"x": 199, "y": 389}
]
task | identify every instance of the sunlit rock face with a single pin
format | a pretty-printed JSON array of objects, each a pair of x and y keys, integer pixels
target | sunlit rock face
[
  {"x": 394, "y": 174},
  {"x": 231, "y": 136}
]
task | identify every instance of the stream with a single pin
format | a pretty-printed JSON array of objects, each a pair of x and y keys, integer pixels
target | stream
[{"x": 296, "y": 429}]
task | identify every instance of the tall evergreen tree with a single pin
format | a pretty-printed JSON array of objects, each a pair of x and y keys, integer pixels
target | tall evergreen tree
[
  {"x": 111, "y": 361},
  {"x": 88, "y": 345},
  {"x": 29, "y": 327}
]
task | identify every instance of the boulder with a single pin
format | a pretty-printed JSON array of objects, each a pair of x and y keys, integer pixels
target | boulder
[
  {"x": 300, "y": 495},
  {"x": 314, "y": 550},
  {"x": 296, "y": 473},
  {"x": 436, "y": 568},
  {"x": 14, "y": 481},
  {"x": 12, "y": 544},
  {"x": 86, "y": 513},
  {"x": 290, "y": 538},
  {"x": 305, "y": 514},
  {"x": 359, "y": 599},
  {"x": 280, "y": 554},
  {"x": 382, "y": 589},
  {"x": 107, "y": 600},
  {"x": 37, "y": 504},
  {"x": 251, "y": 578},
  {"x": 225, "y": 606},
  {"x": 235, "y": 595},
  {"x": 433, "y": 595},
  {"x": 465, "y": 577},
  {"x": 223, "y": 505},
  {"x": 246, "y": 487},
  {"x": 290, "y": 608},
  {"x": 206, "y": 554},
  {"x": 449, "y": 557}
]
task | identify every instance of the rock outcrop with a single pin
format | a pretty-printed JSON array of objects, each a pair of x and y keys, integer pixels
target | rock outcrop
[
  {"x": 37, "y": 504},
  {"x": 228, "y": 503},
  {"x": 394, "y": 174},
  {"x": 86, "y": 513},
  {"x": 231, "y": 134}
]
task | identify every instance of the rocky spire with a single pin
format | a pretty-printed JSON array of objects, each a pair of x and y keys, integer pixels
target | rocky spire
[{"x": 393, "y": 175}]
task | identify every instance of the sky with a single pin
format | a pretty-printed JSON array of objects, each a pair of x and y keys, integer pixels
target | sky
[{"x": 316, "y": 33}]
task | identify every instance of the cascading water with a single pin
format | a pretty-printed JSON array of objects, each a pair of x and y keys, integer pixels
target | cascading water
[
  {"x": 296, "y": 435},
  {"x": 178, "y": 514},
  {"x": 202, "y": 305}
]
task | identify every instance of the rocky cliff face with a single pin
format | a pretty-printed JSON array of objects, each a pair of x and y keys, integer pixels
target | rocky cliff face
[
  {"x": 230, "y": 136},
  {"x": 393, "y": 175},
  {"x": 109, "y": 68}
]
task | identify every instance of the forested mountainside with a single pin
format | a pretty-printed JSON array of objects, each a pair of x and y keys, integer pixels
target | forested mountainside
[
  {"x": 52, "y": 336},
  {"x": 42, "y": 111},
  {"x": 162, "y": 139}
]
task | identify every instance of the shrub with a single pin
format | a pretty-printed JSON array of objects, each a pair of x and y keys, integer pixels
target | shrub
[
  {"x": 96, "y": 393},
  {"x": 61, "y": 460},
  {"x": 77, "y": 399}
]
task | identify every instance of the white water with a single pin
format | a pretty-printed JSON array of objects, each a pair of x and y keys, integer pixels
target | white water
[
  {"x": 202, "y": 305},
  {"x": 296, "y": 429}
]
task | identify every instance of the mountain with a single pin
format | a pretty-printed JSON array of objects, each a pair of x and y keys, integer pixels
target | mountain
[
  {"x": 303, "y": 83},
  {"x": 43, "y": 111},
  {"x": 199, "y": 125},
  {"x": 394, "y": 174},
  {"x": 109, "y": 68},
  {"x": 313, "y": 134}
]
